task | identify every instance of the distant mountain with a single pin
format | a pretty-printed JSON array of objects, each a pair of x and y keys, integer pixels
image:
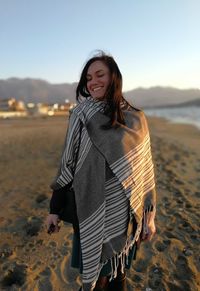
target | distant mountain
[
  {"x": 36, "y": 90},
  {"x": 194, "y": 103},
  {"x": 161, "y": 96}
]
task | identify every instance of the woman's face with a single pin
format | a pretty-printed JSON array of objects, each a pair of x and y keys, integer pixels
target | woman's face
[{"x": 98, "y": 79}]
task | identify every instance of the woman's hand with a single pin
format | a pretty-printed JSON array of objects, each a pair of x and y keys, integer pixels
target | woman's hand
[
  {"x": 52, "y": 223},
  {"x": 149, "y": 228}
]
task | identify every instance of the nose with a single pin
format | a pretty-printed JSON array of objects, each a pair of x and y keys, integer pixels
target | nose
[
  {"x": 93, "y": 79},
  {"x": 92, "y": 82}
]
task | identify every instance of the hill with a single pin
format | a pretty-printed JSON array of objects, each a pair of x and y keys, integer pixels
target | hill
[
  {"x": 162, "y": 96},
  {"x": 36, "y": 90}
]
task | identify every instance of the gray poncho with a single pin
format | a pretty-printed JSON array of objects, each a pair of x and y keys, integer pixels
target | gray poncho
[{"x": 114, "y": 180}]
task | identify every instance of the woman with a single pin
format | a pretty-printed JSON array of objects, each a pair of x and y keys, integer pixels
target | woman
[{"x": 113, "y": 181}]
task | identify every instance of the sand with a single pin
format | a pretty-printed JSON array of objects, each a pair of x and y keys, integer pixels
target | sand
[{"x": 30, "y": 259}]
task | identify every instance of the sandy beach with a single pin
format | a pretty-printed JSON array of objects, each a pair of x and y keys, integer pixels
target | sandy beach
[{"x": 30, "y": 259}]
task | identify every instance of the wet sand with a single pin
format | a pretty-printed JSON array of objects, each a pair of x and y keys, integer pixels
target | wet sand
[{"x": 30, "y": 259}]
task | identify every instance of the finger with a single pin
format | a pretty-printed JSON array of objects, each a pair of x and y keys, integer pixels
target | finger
[
  {"x": 51, "y": 220},
  {"x": 145, "y": 233},
  {"x": 55, "y": 220},
  {"x": 144, "y": 237},
  {"x": 51, "y": 229},
  {"x": 48, "y": 223},
  {"x": 57, "y": 228},
  {"x": 151, "y": 235},
  {"x": 48, "y": 219},
  {"x": 138, "y": 242}
]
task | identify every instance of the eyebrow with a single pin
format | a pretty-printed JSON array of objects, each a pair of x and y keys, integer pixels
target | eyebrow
[{"x": 95, "y": 72}]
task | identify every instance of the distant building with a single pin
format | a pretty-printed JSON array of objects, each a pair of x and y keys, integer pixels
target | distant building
[
  {"x": 11, "y": 104},
  {"x": 10, "y": 107},
  {"x": 4, "y": 105},
  {"x": 54, "y": 109}
]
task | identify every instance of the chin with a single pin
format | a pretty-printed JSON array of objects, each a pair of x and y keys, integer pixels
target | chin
[{"x": 99, "y": 96}]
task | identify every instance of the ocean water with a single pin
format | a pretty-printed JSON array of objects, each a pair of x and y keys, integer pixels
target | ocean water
[{"x": 189, "y": 115}]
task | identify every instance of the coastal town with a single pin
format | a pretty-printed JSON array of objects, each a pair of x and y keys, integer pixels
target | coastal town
[{"x": 10, "y": 107}]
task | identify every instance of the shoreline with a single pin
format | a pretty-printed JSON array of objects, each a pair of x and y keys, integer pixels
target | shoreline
[
  {"x": 182, "y": 133},
  {"x": 173, "y": 121},
  {"x": 178, "y": 115}
]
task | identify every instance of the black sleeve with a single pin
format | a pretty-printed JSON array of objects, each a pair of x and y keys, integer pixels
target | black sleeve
[{"x": 58, "y": 199}]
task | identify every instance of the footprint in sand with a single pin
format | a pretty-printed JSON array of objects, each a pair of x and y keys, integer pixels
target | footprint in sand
[
  {"x": 53, "y": 266},
  {"x": 56, "y": 255},
  {"x": 197, "y": 194},
  {"x": 177, "y": 192},
  {"x": 33, "y": 226},
  {"x": 44, "y": 280},
  {"x": 36, "y": 265},
  {"x": 167, "y": 242},
  {"x": 67, "y": 273},
  {"x": 52, "y": 244},
  {"x": 182, "y": 269},
  {"x": 15, "y": 275},
  {"x": 66, "y": 244},
  {"x": 187, "y": 226},
  {"x": 155, "y": 278},
  {"x": 184, "y": 286},
  {"x": 195, "y": 239},
  {"x": 141, "y": 266},
  {"x": 137, "y": 278},
  {"x": 160, "y": 246},
  {"x": 40, "y": 198},
  {"x": 188, "y": 205},
  {"x": 169, "y": 234},
  {"x": 178, "y": 215},
  {"x": 64, "y": 251},
  {"x": 7, "y": 252},
  {"x": 179, "y": 201}
]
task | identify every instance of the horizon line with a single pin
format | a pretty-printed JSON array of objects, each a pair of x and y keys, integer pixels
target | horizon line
[{"x": 75, "y": 82}]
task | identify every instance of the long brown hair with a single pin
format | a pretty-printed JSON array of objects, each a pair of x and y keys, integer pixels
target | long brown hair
[{"x": 113, "y": 96}]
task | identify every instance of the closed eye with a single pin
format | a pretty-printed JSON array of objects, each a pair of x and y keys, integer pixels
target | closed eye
[{"x": 88, "y": 78}]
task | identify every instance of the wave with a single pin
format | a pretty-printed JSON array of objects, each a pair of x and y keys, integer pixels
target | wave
[{"x": 188, "y": 115}]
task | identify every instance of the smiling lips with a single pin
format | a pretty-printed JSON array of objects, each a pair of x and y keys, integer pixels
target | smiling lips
[{"x": 96, "y": 89}]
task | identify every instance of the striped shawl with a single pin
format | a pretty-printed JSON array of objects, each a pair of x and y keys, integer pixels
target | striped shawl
[{"x": 114, "y": 180}]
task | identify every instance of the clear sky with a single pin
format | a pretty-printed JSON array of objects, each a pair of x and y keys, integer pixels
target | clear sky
[{"x": 155, "y": 42}]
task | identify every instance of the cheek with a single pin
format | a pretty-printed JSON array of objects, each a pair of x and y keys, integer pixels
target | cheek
[
  {"x": 88, "y": 86},
  {"x": 107, "y": 83}
]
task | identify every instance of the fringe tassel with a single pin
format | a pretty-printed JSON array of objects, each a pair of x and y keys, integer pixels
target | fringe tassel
[
  {"x": 123, "y": 257},
  {"x": 122, "y": 260}
]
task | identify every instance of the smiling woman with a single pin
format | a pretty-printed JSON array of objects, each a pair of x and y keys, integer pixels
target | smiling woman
[
  {"x": 98, "y": 79},
  {"x": 101, "y": 79},
  {"x": 107, "y": 156}
]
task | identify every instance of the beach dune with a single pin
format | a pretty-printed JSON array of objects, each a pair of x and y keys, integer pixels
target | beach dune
[{"x": 30, "y": 259}]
